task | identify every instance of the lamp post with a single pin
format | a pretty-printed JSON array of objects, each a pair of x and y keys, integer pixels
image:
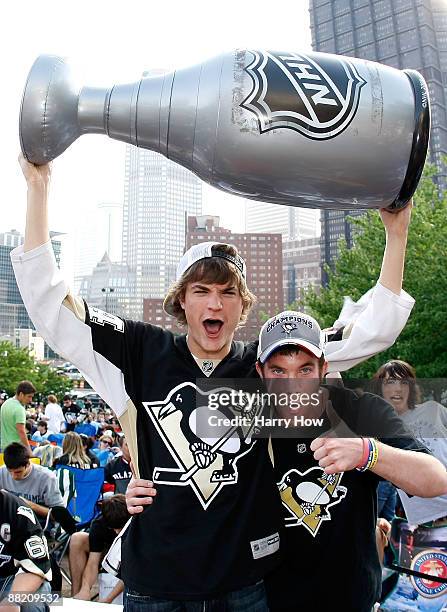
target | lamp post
[{"x": 107, "y": 291}]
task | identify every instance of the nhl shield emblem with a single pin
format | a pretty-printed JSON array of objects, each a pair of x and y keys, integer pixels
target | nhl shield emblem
[{"x": 314, "y": 94}]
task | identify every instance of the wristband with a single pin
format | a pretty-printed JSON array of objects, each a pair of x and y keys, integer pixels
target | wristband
[
  {"x": 366, "y": 455},
  {"x": 373, "y": 455},
  {"x": 364, "y": 460}
]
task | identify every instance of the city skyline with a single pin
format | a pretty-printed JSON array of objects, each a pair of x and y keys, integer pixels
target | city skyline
[
  {"x": 401, "y": 34},
  {"x": 159, "y": 196}
]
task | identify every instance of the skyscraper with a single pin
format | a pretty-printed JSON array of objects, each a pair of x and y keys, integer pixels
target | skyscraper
[
  {"x": 108, "y": 287},
  {"x": 399, "y": 33},
  {"x": 158, "y": 197},
  {"x": 291, "y": 222},
  {"x": 13, "y": 314},
  {"x": 100, "y": 232}
]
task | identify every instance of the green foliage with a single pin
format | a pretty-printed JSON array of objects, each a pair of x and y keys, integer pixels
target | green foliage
[
  {"x": 423, "y": 341},
  {"x": 16, "y": 364}
]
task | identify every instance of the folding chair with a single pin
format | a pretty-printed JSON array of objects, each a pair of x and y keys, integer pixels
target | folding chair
[{"x": 81, "y": 491}]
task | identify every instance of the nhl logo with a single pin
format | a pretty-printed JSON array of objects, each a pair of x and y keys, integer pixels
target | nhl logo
[
  {"x": 316, "y": 95},
  {"x": 207, "y": 366}
]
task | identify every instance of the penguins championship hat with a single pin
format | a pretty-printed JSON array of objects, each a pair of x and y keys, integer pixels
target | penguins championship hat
[
  {"x": 290, "y": 327},
  {"x": 204, "y": 250}
]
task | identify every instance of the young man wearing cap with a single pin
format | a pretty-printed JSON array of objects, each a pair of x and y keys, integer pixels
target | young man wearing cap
[
  {"x": 207, "y": 507},
  {"x": 205, "y": 541},
  {"x": 327, "y": 471}
]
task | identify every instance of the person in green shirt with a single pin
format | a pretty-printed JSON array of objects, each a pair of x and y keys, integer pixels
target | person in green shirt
[{"x": 13, "y": 415}]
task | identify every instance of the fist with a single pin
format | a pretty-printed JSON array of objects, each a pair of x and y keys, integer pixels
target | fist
[
  {"x": 38, "y": 176},
  {"x": 336, "y": 455}
]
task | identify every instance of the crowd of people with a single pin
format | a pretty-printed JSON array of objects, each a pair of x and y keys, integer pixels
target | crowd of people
[{"x": 80, "y": 436}]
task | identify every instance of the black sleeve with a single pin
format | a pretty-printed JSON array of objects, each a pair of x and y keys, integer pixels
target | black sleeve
[
  {"x": 30, "y": 550},
  {"x": 116, "y": 339},
  {"x": 100, "y": 536}
]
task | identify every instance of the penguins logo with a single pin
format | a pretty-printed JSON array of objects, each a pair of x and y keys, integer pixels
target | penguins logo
[
  {"x": 309, "y": 495},
  {"x": 288, "y": 328},
  {"x": 316, "y": 95},
  {"x": 205, "y": 457}
]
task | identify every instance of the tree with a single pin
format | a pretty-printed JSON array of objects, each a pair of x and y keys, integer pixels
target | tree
[
  {"x": 423, "y": 341},
  {"x": 16, "y": 364}
]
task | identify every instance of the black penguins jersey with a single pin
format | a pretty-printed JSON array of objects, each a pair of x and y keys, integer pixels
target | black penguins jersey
[
  {"x": 329, "y": 549},
  {"x": 22, "y": 543},
  {"x": 213, "y": 527}
]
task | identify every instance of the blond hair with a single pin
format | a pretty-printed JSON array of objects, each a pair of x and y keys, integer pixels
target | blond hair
[
  {"x": 72, "y": 447},
  {"x": 209, "y": 271}
]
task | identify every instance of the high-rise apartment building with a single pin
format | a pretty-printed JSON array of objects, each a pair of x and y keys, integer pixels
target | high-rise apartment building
[
  {"x": 301, "y": 269},
  {"x": 99, "y": 233},
  {"x": 399, "y": 33},
  {"x": 13, "y": 313},
  {"x": 158, "y": 197},
  {"x": 291, "y": 222},
  {"x": 108, "y": 287}
]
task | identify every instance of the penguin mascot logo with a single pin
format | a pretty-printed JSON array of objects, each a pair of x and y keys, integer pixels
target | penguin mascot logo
[
  {"x": 315, "y": 95},
  {"x": 288, "y": 328},
  {"x": 309, "y": 495},
  {"x": 205, "y": 456}
]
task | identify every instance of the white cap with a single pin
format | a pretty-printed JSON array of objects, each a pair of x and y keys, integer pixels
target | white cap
[{"x": 204, "y": 250}]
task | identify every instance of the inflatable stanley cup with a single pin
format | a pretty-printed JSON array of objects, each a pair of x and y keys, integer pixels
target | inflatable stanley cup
[{"x": 310, "y": 129}]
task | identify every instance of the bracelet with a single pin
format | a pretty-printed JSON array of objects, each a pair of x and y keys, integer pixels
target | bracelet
[
  {"x": 365, "y": 453},
  {"x": 373, "y": 455}
]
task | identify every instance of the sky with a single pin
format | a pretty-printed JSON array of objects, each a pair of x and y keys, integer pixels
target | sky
[{"x": 111, "y": 42}]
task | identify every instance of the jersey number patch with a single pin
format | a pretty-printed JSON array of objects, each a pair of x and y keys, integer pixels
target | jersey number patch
[
  {"x": 36, "y": 547},
  {"x": 101, "y": 318}
]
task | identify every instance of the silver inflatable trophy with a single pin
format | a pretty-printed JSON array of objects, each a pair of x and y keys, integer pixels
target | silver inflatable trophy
[{"x": 303, "y": 129}]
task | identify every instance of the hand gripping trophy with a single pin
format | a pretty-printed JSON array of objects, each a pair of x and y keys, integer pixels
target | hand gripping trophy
[{"x": 302, "y": 129}]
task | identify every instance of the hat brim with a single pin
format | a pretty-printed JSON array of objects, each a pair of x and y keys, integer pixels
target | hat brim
[{"x": 312, "y": 348}]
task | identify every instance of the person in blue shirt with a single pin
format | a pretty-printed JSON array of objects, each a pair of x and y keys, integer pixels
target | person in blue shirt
[{"x": 42, "y": 432}]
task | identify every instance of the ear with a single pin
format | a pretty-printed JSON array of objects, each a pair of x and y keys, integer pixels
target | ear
[
  {"x": 324, "y": 369},
  {"x": 259, "y": 369},
  {"x": 181, "y": 299}
]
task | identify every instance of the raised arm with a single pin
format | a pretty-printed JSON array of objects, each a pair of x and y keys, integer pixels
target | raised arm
[
  {"x": 103, "y": 346},
  {"x": 38, "y": 183},
  {"x": 396, "y": 231},
  {"x": 374, "y": 323}
]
